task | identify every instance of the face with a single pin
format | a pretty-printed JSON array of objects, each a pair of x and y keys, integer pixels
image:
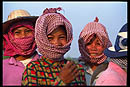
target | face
[
  {"x": 58, "y": 37},
  {"x": 22, "y": 32},
  {"x": 94, "y": 47}
]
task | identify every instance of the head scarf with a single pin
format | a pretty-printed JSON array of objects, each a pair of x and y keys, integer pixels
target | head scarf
[
  {"x": 19, "y": 46},
  {"x": 86, "y": 34},
  {"x": 45, "y": 24}
]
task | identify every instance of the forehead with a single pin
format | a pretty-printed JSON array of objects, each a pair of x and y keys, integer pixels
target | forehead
[
  {"x": 20, "y": 28},
  {"x": 93, "y": 37}
]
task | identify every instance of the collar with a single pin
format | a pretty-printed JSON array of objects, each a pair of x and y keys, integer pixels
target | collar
[
  {"x": 53, "y": 63},
  {"x": 13, "y": 61},
  {"x": 89, "y": 70}
]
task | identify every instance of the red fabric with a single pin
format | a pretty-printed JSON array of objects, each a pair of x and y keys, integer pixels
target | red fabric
[{"x": 19, "y": 46}]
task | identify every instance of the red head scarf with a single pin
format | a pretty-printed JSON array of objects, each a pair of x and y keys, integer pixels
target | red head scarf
[{"x": 19, "y": 46}]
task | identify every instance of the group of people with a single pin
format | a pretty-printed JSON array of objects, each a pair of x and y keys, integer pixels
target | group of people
[{"x": 100, "y": 63}]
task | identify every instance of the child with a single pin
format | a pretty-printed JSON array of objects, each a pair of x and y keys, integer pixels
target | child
[
  {"x": 53, "y": 38},
  {"x": 93, "y": 40},
  {"x": 19, "y": 45}
]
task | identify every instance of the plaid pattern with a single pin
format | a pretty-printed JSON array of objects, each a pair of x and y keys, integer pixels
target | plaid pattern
[
  {"x": 45, "y": 72},
  {"x": 19, "y": 46},
  {"x": 86, "y": 34},
  {"x": 45, "y": 24}
]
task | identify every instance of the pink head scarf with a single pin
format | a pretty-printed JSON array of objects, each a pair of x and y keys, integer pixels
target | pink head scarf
[
  {"x": 19, "y": 46},
  {"x": 45, "y": 24},
  {"x": 85, "y": 36}
]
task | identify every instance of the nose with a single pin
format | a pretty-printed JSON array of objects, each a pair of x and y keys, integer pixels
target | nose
[
  {"x": 93, "y": 46},
  {"x": 23, "y": 34},
  {"x": 56, "y": 42}
]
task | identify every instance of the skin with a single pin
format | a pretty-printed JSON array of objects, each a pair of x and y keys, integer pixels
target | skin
[
  {"x": 70, "y": 71},
  {"x": 94, "y": 48},
  {"x": 58, "y": 37},
  {"x": 22, "y": 32}
]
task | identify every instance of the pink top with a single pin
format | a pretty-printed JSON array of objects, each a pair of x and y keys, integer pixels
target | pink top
[
  {"x": 113, "y": 75},
  {"x": 12, "y": 71}
]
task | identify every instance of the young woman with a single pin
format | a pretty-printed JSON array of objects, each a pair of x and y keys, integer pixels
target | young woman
[
  {"x": 19, "y": 45},
  {"x": 53, "y": 38},
  {"x": 93, "y": 40}
]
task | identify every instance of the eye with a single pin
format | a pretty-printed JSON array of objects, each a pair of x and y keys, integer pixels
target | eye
[
  {"x": 98, "y": 43},
  {"x": 89, "y": 43},
  {"x": 28, "y": 30},
  {"x": 17, "y": 32},
  {"x": 62, "y": 37},
  {"x": 50, "y": 38}
]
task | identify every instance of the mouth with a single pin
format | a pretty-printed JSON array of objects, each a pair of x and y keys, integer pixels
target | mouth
[{"x": 93, "y": 54}]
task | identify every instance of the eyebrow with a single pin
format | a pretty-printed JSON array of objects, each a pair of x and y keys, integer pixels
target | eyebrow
[{"x": 16, "y": 30}]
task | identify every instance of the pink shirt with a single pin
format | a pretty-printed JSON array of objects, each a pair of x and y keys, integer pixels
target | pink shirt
[
  {"x": 113, "y": 75},
  {"x": 12, "y": 71}
]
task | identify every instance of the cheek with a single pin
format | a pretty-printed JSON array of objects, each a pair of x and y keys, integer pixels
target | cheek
[
  {"x": 30, "y": 34},
  {"x": 64, "y": 42},
  {"x": 16, "y": 36},
  {"x": 88, "y": 48},
  {"x": 100, "y": 50}
]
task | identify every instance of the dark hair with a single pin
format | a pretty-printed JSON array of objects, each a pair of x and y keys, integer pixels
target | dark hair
[{"x": 64, "y": 28}]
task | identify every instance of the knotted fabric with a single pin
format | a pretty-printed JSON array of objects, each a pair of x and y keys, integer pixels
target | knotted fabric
[
  {"x": 19, "y": 46},
  {"x": 47, "y": 23},
  {"x": 86, "y": 35}
]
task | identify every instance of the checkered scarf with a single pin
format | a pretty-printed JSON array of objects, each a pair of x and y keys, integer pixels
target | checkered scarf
[
  {"x": 45, "y": 24},
  {"x": 19, "y": 46},
  {"x": 86, "y": 35}
]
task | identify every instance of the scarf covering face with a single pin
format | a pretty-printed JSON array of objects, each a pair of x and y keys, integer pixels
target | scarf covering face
[
  {"x": 45, "y": 24},
  {"x": 19, "y": 46},
  {"x": 86, "y": 34}
]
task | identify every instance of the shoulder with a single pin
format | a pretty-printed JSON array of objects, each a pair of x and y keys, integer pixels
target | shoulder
[
  {"x": 5, "y": 65},
  {"x": 114, "y": 70},
  {"x": 5, "y": 60},
  {"x": 37, "y": 63},
  {"x": 112, "y": 75},
  {"x": 115, "y": 67},
  {"x": 33, "y": 63}
]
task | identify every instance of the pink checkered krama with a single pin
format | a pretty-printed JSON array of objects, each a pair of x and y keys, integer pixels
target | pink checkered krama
[
  {"x": 45, "y": 24},
  {"x": 86, "y": 34}
]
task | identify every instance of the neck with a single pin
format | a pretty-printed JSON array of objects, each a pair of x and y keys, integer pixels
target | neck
[
  {"x": 19, "y": 57},
  {"x": 93, "y": 66},
  {"x": 55, "y": 59}
]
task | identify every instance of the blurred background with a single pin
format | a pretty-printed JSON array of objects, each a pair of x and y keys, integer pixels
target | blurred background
[{"x": 112, "y": 14}]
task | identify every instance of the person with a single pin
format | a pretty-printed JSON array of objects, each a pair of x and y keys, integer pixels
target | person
[
  {"x": 19, "y": 45},
  {"x": 99, "y": 71},
  {"x": 53, "y": 37},
  {"x": 118, "y": 52}
]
